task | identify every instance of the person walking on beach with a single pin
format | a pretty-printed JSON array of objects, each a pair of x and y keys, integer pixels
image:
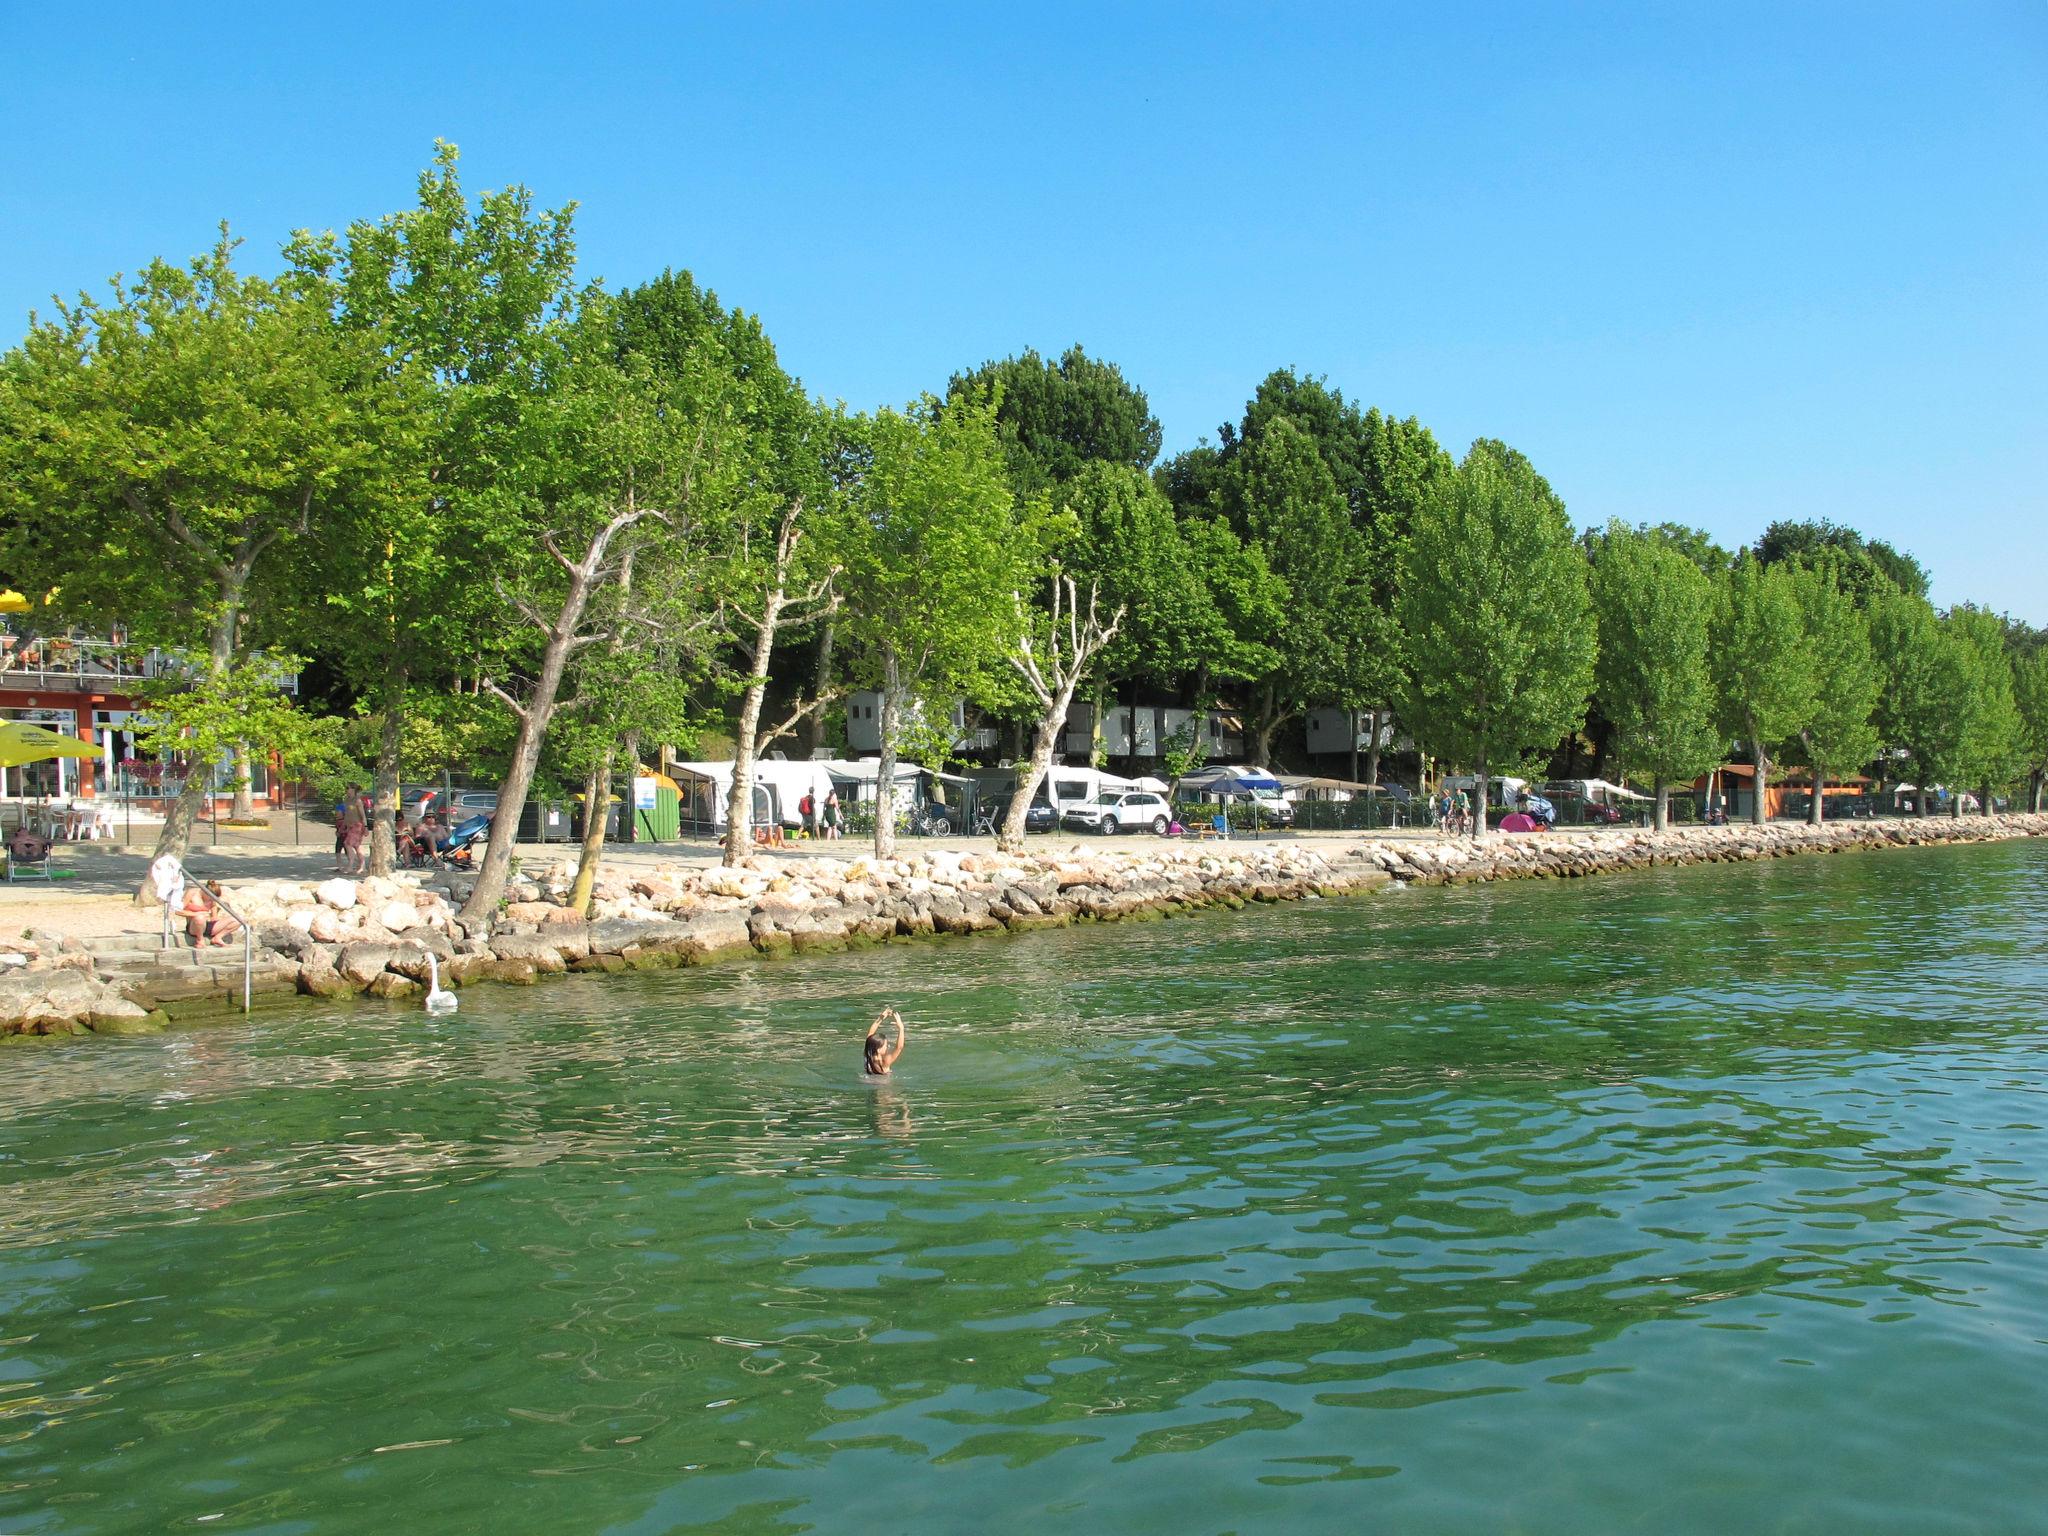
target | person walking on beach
[
  {"x": 807, "y": 809},
  {"x": 877, "y": 1054},
  {"x": 354, "y": 836},
  {"x": 832, "y": 813}
]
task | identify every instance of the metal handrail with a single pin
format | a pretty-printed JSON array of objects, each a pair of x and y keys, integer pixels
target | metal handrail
[{"x": 248, "y": 933}]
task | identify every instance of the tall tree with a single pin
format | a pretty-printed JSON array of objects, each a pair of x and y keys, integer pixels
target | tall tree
[
  {"x": 1288, "y": 506},
  {"x": 776, "y": 568},
  {"x": 1057, "y": 417},
  {"x": 1499, "y": 623},
  {"x": 2030, "y": 701},
  {"x": 458, "y": 301},
  {"x": 600, "y": 460},
  {"x": 1383, "y": 467},
  {"x": 1057, "y": 641},
  {"x": 1654, "y": 609},
  {"x": 1837, "y": 726},
  {"x": 932, "y": 558},
  {"x": 1921, "y": 673},
  {"x": 1761, "y": 663},
  {"x": 1992, "y": 730},
  {"x": 161, "y": 449}
]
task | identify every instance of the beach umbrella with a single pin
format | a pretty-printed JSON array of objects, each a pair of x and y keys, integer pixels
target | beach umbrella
[{"x": 23, "y": 741}]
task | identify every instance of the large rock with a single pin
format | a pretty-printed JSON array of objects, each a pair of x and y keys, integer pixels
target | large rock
[
  {"x": 541, "y": 954},
  {"x": 363, "y": 963},
  {"x": 338, "y": 894}
]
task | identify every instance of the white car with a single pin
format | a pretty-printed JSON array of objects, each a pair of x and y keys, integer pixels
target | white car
[{"x": 1113, "y": 810}]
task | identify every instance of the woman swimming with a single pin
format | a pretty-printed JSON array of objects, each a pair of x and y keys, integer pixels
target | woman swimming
[{"x": 878, "y": 1055}]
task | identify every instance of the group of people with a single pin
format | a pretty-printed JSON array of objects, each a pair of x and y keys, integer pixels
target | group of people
[
  {"x": 821, "y": 818},
  {"x": 429, "y": 836},
  {"x": 1452, "y": 813}
]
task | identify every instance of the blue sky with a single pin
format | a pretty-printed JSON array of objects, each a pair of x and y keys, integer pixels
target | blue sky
[{"x": 1709, "y": 263}]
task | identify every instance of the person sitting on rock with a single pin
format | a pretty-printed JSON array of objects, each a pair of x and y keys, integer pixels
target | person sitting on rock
[{"x": 878, "y": 1055}]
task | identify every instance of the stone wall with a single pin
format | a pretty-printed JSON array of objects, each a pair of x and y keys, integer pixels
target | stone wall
[{"x": 342, "y": 938}]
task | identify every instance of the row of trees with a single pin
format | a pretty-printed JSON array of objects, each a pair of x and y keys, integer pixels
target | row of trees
[{"x": 512, "y": 516}]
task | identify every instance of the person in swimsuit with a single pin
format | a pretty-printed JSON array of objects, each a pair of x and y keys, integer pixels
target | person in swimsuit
[{"x": 878, "y": 1055}]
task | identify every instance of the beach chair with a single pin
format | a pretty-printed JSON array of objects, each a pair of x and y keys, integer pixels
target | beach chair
[{"x": 28, "y": 856}]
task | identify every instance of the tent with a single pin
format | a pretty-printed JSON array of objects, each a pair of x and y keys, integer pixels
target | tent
[
  {"x": 1228, "y": 781},
  {"x": 1598, "y": 790},
  {"x": 1518, "y": 821}
]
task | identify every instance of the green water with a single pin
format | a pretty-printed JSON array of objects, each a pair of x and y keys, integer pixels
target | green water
[{"x": 1706, "y": 1200}]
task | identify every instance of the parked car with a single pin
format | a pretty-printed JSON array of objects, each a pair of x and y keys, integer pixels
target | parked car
[
  {"x": 1601, "y": 814},
  {"x": 1039, "y": 818},
  {"x": 1121, "y": 811}
]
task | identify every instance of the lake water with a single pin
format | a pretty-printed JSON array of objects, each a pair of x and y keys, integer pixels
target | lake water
[{"x": 1704, "y": 1200}]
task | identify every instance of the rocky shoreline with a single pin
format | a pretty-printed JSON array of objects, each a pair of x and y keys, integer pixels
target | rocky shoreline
[{"x": 343, "y": 938}]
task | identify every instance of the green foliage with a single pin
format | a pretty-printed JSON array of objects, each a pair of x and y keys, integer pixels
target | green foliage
[
  {"x": 1919, "y": 670},
  {"x": 208, "y": 712},
  {"x": 1837, "y": 726},
  {"x": 1654, "y": 608},
  {"x": 1991, "y": 730},
  {"x": 1055, "y": 419},
  {"x": 933, "y": 549},
  {"x": 1185, "y": 750},
  {"x": 2030, "y": 704},
  {"x": 462, "y": 305},
  {"x": 1761, "y": 662},
  {"x": 161, "y": 448},
  {"x": 1868, "y": 565},
  {"x": 1494, "y": 602},
  {"x": 1289, "y": 508}
]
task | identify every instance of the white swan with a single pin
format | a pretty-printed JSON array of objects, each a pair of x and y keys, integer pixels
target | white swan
[{"x": 437, "y": 1000}]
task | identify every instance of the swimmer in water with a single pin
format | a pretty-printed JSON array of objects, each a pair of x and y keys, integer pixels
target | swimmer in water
[{"x": 878, "y": 1054}]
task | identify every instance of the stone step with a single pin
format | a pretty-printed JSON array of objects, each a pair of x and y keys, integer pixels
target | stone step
[{"x": 149, "y": 939}]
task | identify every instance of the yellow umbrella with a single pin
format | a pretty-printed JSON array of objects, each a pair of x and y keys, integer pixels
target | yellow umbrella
[
  {"x": 13, "y": 602},
  {"x": 22, "y": 741}
]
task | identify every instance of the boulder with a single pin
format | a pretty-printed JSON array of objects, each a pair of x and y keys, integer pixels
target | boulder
[
  {"x": 363, "y": 963},
  {"x": 338, "y": 894},
  {"x": 541, "y": 954}
]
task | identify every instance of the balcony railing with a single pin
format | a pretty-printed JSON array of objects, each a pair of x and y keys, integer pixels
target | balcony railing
[{"x": 68, "y": 661}]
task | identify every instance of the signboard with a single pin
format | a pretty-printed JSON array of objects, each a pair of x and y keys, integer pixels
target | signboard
[{"x": 643, "y": 793}]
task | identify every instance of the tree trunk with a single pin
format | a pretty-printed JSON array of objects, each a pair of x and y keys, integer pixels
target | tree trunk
[
  {"x": 1817, "y": 812},
  {"x": 1372, "y": 750},
  {"x": 1096, "y": 753},
  {"x": 1260, "y": 754},
  {"x": 739, "y": 805},
  {"x": 534, "y": 719},
  {"x": 885, "y": 770},
  {"x": 597, "y": 793},
  {"x": 244, "y": 807},
  {"x": 1662, "y": 820},
  {"x": 1352, "y": 716},
  {"x": 1756, "y": 798},
  {"x": 384, "y": 786},
  {"x": 1984, "y": 800},
  {"x": 2034, "y": 795},
  {"x": 1479, "y": 781},
  {"x": 1010, "y": 836},
  {"x": 821, "y": 679}
]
